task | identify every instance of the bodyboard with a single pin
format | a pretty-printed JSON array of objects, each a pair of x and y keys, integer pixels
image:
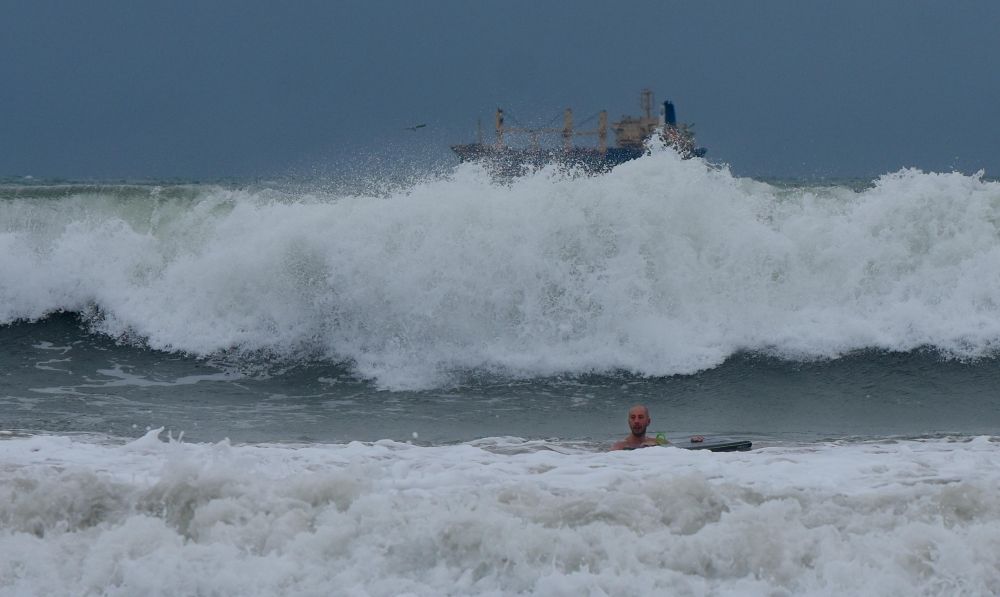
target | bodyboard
[{"x": 715, "y": 444}]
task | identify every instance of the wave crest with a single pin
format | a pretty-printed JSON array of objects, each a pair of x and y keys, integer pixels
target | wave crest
[{"x": 659, "y": 267}]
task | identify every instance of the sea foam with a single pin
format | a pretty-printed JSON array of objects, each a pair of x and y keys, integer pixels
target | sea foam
[
  {"x": 167, "y": 518},
  {"x": 659, "y": 267}
]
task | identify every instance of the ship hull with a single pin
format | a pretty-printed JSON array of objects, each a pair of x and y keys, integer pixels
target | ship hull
[
  {"x": 513, "y": 162},
  {"x": 517, "y": 162}
]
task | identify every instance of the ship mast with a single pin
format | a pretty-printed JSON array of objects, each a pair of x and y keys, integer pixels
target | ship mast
[
  {"x": 646, "y": 101},
  {"x": 602, "y": 132},
  {"x": 568, "y": 130},
  {"x": 499, "y": 123}
]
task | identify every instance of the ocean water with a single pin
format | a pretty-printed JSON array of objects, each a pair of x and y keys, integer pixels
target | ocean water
[{"x": 408, "y": 389}]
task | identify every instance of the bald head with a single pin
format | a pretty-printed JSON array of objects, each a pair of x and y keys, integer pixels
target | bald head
[{"x": 638, "y": 420}]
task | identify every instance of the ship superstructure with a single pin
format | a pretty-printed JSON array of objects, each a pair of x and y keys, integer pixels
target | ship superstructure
[{"x": 631, "y": 136}]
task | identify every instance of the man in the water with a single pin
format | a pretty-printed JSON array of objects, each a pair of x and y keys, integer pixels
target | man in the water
[{"x": 638, "y": 421}]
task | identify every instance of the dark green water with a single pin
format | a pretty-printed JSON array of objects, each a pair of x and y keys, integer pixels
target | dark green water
[{"x": 59, "y": 378}]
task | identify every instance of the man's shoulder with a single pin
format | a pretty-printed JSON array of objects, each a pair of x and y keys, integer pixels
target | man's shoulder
[{"x": 627, "y": 445}]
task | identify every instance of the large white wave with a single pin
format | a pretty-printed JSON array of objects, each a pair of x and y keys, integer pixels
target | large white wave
[
  {"x": 662, "y": 266},
  {"x": 155, "y": 518}
]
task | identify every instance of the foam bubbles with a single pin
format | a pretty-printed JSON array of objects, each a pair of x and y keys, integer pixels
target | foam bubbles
[
  {"x": 159, "y": 518},
  {"x": 662, "y": 266}
]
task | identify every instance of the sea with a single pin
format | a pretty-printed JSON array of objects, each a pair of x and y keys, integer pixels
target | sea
[{"x": 409, "y": 387}]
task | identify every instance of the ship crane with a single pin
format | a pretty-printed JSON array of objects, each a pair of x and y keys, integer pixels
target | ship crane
[
  {"x": 566, "y": 131},
  {"x": 632, "y": 134}
]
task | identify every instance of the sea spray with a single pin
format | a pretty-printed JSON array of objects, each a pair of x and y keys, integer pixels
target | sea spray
[{"x": 659, "y": 267}]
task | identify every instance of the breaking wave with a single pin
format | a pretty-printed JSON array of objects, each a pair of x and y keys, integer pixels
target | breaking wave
[{"x": 662, "y": 266}]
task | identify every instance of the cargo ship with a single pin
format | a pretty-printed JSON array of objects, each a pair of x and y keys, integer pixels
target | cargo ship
[{"x": 632, "y": 133}]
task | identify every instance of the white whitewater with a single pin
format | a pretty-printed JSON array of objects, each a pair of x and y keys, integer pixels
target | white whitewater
[
  {"x": 501, "y": 517},
  {"x": 662, "y": 266}
]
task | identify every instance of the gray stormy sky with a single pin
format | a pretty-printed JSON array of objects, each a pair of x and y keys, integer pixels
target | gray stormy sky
[{"x": 244, "y": 88}]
